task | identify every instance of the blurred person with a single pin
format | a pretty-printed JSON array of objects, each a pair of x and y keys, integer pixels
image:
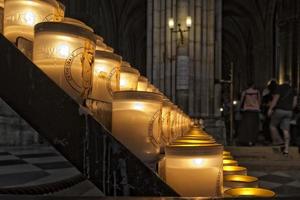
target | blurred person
[
  {"x": 281, "y": 112},
  {"x": 267, "y": 98},
  {"x": 250, "y": 107}
]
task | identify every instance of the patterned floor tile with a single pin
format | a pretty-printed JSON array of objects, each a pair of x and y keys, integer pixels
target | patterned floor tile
[
  {"x": 37, "y": 155},
  {"x": 280, "y": 173},
  {"x": 10, "y": 169},
  {"x": 4, "y": 154},
  {"x": 286, "y": 190},
  {"x": 295, "y": 184},
  {"x": 257, "y": 173},
  {"x": 268, "y": 185},
  {"x": 20, "y": 178},
  {"x": 8, "y": 157},
  {"x": 276, "y": 179},
  {"x": 11, "y": 162},
  {"x": 45, "y": 160},
  {"x": 53, "y": 165}
]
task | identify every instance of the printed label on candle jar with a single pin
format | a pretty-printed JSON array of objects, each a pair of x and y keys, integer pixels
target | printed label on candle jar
[
  {"x": 154, "y": 138},
  {"x": 26, "y": 18},
  {"x": 86, "y": 63}
]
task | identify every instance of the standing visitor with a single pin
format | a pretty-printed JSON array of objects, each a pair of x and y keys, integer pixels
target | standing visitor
[
  {"x": 250, "y": 106},
  {"x": 281, "y": 112},
  {"x": 267, "y": 98}
]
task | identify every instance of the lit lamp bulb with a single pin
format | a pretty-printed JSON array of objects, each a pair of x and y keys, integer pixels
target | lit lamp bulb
[
  {"x": 21, "y": 16},
  {"x": 63, "y": 50},
  {"x": 171, "y": 23},
  {"x": 198, "y": 162},
  {"x": 189, "y": 21}
]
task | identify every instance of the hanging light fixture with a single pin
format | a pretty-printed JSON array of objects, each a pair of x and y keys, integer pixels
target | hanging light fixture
[
  {"x": 142, "y": 84},
  {"x": 65, "y": 52},
  {"x": 239, "y": 181},
  {"x": 128, "y": 77},
  {"x": 20, "y": 16},
  {"x": 136, "y": 122},
  {"x": 106, "y": 74},
  {"x": 195, "y": 170}
]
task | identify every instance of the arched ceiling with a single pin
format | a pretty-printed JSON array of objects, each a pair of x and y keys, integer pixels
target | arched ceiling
[{"x": 122, "y": 24}]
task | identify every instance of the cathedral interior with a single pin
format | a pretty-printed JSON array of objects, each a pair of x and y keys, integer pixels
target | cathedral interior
[{"x": 115, "y": 99}]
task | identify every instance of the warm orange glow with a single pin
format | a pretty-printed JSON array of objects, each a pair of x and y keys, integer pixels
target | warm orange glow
[
  {"x": 234, "y": 170},
  {"x": 250, "y": 192},
  {"x": 230, "y": 163},
  {"x": 240, "y": 178}
]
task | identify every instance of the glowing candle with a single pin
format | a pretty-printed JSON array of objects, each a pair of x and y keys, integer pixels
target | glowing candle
[
  {"x": 250, "y": 192},
  {"x": 239, "y": 181},
  {"x": 229, "y": 162},
  {"x": 20, "y": 16},
  {"x": 128, "y": 77},
  {"x": 106, "y": 75},
  {"x": 195, "y": 170},
  {"x": 234, "y": 170},
  {"x": 65, "y": 52},
  {"x": 136, "y": 122},
  {"x": 142, "y": 84}
]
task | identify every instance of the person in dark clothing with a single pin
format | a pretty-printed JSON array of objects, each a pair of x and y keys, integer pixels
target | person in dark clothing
[
  {"x": 250, "y": 106},
  {"x": 281, "y": 112},
  {"x": 267, "y": 98}
]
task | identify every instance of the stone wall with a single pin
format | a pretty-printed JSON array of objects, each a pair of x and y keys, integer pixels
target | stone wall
[{"x": 186, "y": 72}]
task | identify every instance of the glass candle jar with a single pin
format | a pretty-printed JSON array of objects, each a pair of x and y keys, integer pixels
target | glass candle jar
[
  {"x": 151, "y": 88},
  {"x": 128, "y": 77},
  {"x": 234, "y": 170},
  {"x": 20, "y": 16},
  {"x": 136, "y": 122},
  {"x": 239, "y": 181},
  {"x": 249, "y": 193},
  {"x": 65, "y": 51},
  {"x": 106, "y": 76},
  {"x": 166, "y": 126},
  {"x": 195, "y": 170},
  {"x": 229, "y": 162},
  {"x": 142, "y": 84}
]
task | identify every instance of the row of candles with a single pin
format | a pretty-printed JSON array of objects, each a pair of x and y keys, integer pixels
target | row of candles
[
  {"x": 76, "y": 59},
  {"x": 143, "y": 119},
  {"x": 195, "y": 165}
]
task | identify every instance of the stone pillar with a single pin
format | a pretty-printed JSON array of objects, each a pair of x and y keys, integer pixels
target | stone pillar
[{"x": 188, "y": 73}]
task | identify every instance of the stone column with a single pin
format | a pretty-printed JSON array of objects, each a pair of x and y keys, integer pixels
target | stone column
[{"x": 186, "y": 73}]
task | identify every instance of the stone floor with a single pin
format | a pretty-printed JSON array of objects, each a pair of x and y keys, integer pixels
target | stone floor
[
  {"x": 36, "y": 165},
  {"x": 42, "y": 164},
  {"x": 274, "y": 171}
]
